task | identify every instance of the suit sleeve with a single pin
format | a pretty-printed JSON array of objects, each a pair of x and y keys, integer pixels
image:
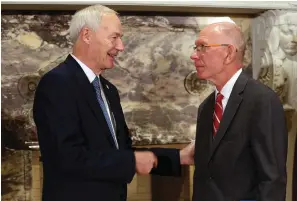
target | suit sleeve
[
  {"x": 58, "y": 122},
  {"x": 168, "y": 162},
  {"x": 169, "y": 159},
  {"x": 269, "y": 145}
]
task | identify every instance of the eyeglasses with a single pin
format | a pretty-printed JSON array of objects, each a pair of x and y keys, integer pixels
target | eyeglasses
[{"x": 202, "y": 48}]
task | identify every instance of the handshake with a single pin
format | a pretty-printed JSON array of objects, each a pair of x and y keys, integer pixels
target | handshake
[{"x": 146, "y": 160}]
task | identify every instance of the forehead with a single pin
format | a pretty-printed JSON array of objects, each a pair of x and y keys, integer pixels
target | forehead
[
  {"x": 203, "y": 38},
  {"x": 208, "y": 36},
  {"x": 111, "y": 23}
]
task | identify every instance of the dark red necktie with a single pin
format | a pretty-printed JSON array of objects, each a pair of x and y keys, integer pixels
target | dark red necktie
[{"x": 218, "y": 113}]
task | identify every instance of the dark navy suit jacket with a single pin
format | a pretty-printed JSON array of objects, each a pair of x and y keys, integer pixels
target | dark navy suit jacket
[{"x": 80, "y": 159}]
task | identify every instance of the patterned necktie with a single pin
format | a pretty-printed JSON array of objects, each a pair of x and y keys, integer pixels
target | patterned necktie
[
  {"x": 96, "y": 85},
  {"x": 218, "y": 113}
]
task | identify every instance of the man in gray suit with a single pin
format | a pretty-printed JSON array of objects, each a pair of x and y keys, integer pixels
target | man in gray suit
[{"x": 241, "y": 140}]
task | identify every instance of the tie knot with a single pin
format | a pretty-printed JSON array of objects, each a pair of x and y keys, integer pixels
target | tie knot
[
  {"x": 96, "y": 83},
  {"x": 219, "y": 97}
]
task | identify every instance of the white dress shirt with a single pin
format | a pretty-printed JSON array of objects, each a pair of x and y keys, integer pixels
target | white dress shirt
[
  {"x": 91, "y": 76},
  {"x": 227, "y": 89}
]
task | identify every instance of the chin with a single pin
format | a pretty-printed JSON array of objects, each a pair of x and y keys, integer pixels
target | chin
[
  {"x": 109, "y": 66},
  {"x": 201, "y": 76},
  {"x": 291, "y": 52}
]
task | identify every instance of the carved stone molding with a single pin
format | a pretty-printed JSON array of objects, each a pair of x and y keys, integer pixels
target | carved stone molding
[{"x": 275, "y": 53}]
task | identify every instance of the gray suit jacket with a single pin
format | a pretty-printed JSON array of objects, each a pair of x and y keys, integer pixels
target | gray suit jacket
[{"x": 247, "y": 159}]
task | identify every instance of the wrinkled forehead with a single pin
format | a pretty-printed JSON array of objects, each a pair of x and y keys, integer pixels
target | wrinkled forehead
[
  {"x": 207, "y": 36},
  {"x": 111, "y": 22}
]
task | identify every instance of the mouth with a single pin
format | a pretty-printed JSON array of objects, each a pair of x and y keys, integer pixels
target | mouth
[
  {"x": 112, "y": 55},
  {"x": 199, "y": 66},
  {"x": 292, "y": 47}
]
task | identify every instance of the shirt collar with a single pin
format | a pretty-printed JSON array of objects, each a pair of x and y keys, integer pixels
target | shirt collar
[
  {"x": 227, "y": 89},
  {"x": 89, "y": 73}
]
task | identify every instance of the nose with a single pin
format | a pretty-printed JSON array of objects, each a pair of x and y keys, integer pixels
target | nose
[
  {"x": 194, "y": 56},
  {"x": 120, "y": 45}
]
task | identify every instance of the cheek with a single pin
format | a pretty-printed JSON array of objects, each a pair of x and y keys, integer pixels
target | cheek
[
  {"x": 210, "y": 61},
  {"x": 102, "y": 45},
  {"x": 109, "y": 44},
  {"x": 214, "y": 63},
  {"x": 284, "y": 39}
]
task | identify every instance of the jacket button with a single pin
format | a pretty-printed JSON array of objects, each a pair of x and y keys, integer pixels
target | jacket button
[{"x": 210, "y": 178}]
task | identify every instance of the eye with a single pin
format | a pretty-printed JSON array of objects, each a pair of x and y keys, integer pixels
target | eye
[
  {"x": 203, "y": 48},
  {"x": 198, "y": 48}
]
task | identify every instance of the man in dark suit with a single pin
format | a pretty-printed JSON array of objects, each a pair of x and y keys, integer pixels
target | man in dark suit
[
  {"x": 241, "y": 139},
  {"x": 84, "y": 140}
]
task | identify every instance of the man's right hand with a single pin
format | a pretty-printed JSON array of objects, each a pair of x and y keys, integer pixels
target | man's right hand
[
  {"x": 187, "y": 154},
  {"x": 145, "y": 161}
]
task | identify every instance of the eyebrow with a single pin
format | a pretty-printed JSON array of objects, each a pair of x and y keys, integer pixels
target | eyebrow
[
  {"x": 118, "y": 34},
  {"x": 200, "y": 42}
]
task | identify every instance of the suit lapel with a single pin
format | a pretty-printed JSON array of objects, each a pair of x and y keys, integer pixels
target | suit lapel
[
  {"x": 230, "y": 110},
  {"x": 114, "y": 104},
  {"x": 110, "y": 101},
  {"x": 89, "y": 93}
]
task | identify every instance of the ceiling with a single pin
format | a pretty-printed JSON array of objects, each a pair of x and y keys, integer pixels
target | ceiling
[{"x": 172, "y": 10}]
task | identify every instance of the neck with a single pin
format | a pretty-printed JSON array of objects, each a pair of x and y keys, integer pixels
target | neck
[
  {"x": 83, "y": 57},
  {"x": 223, "y": 78},
  {"x": 221, "y": 83}
]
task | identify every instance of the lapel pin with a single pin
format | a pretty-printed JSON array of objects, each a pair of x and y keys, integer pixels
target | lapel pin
[{"x": 107, "y": 86}]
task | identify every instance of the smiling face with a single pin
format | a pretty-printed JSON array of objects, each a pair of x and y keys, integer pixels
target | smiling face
[{"x": 105, "y": 43}]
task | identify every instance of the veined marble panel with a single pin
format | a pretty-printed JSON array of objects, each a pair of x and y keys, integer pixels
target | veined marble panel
[{"x": 156, "y": 79}]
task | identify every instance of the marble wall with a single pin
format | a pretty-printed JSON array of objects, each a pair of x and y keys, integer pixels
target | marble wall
[
  {"x": 156, "y": 79},
  {"x": 159, "y": 90}
]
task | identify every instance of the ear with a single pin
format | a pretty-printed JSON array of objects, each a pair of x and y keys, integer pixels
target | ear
[
  {"x": 86, "y": 35},
  {"x": 231, "y": 54}
]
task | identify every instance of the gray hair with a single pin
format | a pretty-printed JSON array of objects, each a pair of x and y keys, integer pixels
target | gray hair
[
  {"x": 234, "y": 33},
  {"x": 90, "y": 17}
]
